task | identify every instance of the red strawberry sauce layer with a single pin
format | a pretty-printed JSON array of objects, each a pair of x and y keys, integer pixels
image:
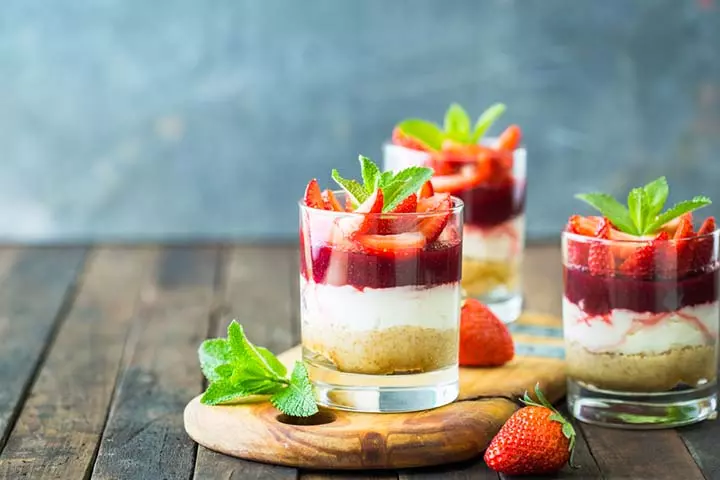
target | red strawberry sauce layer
[
  {"x": 489, "y": 205},
  {"x": 598, "y": 295},
  {"x": 436, "y": 264}
]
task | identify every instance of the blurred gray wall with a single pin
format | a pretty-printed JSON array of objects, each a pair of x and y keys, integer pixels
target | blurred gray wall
[{"x": 144, "y": 120}]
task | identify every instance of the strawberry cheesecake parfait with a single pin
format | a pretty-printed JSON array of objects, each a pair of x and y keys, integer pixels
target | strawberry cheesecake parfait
[
  {"x": 640, "y": 311},
  {"x": 380, "y": 266},
  {"x": 488, "y": 175}
]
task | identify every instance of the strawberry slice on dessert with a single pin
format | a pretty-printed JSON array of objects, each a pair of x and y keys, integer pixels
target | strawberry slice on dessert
[
  {"x": 426, "y": 191},
  {"x": 600, "y": 258},
  {"x": 510, "y": 139},
  {"x": 396, "y": 223},
  {"x": 432, "y": 226},
  {"x": 313, "y": 198},
  {"x": 705, "y": 244},
  {"x": 401, "y": 138},
  {"x": 396, "y": 245},
  {"x": 641, "y": 263}
]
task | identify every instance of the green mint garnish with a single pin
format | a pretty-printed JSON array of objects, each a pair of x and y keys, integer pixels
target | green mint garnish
[
  {"x": 456, "y": 126},
  {"x": 235, "y": 368},
  {"x": 396, "y": 187},
  {"x": 642, "y": 215}
]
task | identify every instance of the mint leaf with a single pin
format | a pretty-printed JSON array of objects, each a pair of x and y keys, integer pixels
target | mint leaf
[
  {"x": 656, "y": 193},
  {"x": 676, "y": 211},
  {"x": 457, "y": 123},
  {"x": 370, "y": 174},
  {"x": 485, "y": 121},
  {"x": 247, "y": 354},
  {"x": 385, "y": 179},
  {"x": 610, "y": 208},
  {"x": 222, "y": 392},
  {"x": 426, "y": 132},
  {"x": 637, "y": 203},
  {"x": 298, "y": 399},
  {"x": 275, "y": 365},
  {"x": 406, "y": 182},
  {"x": 354, "y": 190},
  {"x": 213, "y": 353}
]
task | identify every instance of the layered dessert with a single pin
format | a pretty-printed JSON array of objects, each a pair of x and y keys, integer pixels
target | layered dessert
[
  {"x": 380, "y": 266},
  {"x": 640, "y": 305},
  {"x": 489, "y": 176}
]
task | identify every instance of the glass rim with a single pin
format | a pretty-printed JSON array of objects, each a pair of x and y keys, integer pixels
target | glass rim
[
  {"x": 635, "y": 241},
  {"x": 457, "y": 207},
  {"x": 388, "y": 143}
]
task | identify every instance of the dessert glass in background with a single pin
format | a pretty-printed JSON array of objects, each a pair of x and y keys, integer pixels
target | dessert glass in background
[
  {"x": 489, "y": 176},
  {"x": 380, "y": 303},
  {"x": 640, "y": 317}
]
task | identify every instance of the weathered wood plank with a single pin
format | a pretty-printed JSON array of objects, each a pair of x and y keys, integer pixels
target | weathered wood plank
[
  {"x": 640, "y": 454},
  {"x": 702, "y": 442},
  {"x": 258, "y": 295},
  {"x": 343, "y": 475},
  {"x": 59, "y": 427},
  {"x": 34, "y": 286},
  {"x": 471, "y": 470},
  {"x": 144, "y": 436}
]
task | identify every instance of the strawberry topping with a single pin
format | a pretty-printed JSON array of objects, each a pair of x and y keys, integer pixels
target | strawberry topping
[{"x": 313, "y": 197}]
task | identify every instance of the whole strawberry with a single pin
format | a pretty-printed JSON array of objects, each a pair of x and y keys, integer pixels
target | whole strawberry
[
  {"x": 535, "y": 440},
  {"x": 484, "y": 340}
]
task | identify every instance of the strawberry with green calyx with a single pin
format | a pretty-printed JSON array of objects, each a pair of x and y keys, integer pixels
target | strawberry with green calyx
[
  {"x": 423, "y": 135},
  {"x": 535, "y": 440}
]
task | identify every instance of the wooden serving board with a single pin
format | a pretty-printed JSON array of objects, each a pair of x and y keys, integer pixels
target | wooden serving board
[{"x": 344, "y": 440}]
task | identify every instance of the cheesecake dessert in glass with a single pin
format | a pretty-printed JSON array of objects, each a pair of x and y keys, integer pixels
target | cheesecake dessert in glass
[
  {"x": 640, "y": 311},
  {"x": 488, "y": 175},
  {"x": 380, "y": 266}
]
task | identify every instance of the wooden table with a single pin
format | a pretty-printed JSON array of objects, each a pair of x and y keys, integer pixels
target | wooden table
[{"x": 98, "y": 359}]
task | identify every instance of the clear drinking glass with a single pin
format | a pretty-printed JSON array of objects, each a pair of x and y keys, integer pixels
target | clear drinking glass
[
  {"x": 641, "y": 347},
  {"x": 380, "y": 312},
  {"x": 494, "y": 233}
]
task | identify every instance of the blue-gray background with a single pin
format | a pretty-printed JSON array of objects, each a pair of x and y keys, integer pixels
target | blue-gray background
[{"x": 187, "y": 119}]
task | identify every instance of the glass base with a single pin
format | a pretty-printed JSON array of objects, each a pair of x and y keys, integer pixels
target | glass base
[
  {"x": 506, "y": 307},
  {"x": 641, "y": 410},
  {"x": 382, "y": 393}
]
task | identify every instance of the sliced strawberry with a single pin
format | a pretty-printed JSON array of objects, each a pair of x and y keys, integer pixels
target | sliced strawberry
[
  {"x": 684, "y": 245},
  {"x": 600, "y": 258},
  {"x": 704, "y": 246},
  {"x": 510, "y": 138},
  {"x": 671, "y": 226},
  {"x": 330, "y": 201},
  {"x": 352, "y": 225},
  {"x": 641, "y": 263},
  {"x": 398, "y": 245},
  {"x": 426, "y": 190},
  {"x": 577, "y": 250},
  {"x": 348, "y": 204},
  {"x": 401, "y": 138},
  {"x": 626, "y": 244},
  {"x": 313, "y": 197},
  {"x": 439, "y": 204},
  {"x": 399, "y": 223},
  {"x": 458, "y": 182}
]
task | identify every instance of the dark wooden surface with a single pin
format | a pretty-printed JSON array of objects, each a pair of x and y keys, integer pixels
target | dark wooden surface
[{"x": 98, "y": 358}]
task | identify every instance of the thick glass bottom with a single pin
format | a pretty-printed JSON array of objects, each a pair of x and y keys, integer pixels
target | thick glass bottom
[
  {"x": 630, "y": 410},
  {"x": 381, "y": 393}
]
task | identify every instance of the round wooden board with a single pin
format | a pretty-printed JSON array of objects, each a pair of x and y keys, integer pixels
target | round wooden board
[{"x": 347, "y": 440}]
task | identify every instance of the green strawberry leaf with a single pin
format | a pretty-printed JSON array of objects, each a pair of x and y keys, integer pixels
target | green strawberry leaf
[
  {"x": 426, "y": 132},
  {"x": 370, "y": 174},
  {"x": 610, "y": 208},
  {"x": 405, "y": 183},
  {"x": 656, "y": 193},
  {"x": 298, "y": 399},
  {"x": 457, "y": 123},
  {"x": 353, "y": 189},
  {"x": 485, "y": 121},
  {"x": 638, "y": 206},
  {"x": 676, "y": 211}
]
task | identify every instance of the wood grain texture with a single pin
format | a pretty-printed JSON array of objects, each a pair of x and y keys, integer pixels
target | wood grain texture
[
  {"x": 342, "y": 475},
  {"x": 34, "y": 286},
  {"x": 474, "y": 469},
  {"x": 370, "y": 441},
  {"x": 258, "y": 291},
  {"x": 144, "y": 436},
  {"x": 59, "y": 427},
  {"x": 659, "y": 454},
  {"x": 702, "y": 441}
]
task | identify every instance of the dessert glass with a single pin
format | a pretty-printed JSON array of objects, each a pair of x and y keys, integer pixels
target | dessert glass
[
  {"x": 494, "y": 224},
  {"x": 380, "y": 327},
  {"x": 641, "y": 352}
]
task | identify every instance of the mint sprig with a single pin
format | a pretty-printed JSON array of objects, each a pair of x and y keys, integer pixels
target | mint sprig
[
  {"x": 456, "y": 126},
  {"x": 642, "y": 215},
  {"x": 236, "y": 369},
  {"x": 396, "y": 187}
]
